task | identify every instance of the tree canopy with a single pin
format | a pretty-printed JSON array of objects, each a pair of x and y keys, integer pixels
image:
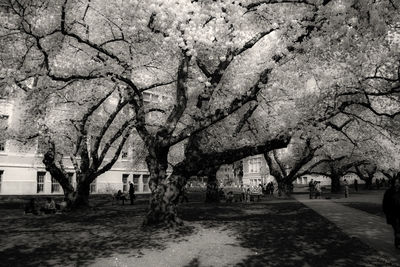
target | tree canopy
[{"x": 230, "y": 73}]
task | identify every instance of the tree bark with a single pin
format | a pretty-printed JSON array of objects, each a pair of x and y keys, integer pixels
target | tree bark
[
  {"x": 335, "y": 184},
  {"x": 164, "y": 192},
  {"x": 163, "y": 205},
  {"x": 368, "y": 182},
  {"x": 212, "y": 193},
  {"x": 58, "y": 174},
  {"x": 80, "y": 197},
  {"x": 284, "y": 187}
]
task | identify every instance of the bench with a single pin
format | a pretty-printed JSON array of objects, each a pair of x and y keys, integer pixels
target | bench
[{"x": 124, "y": 197}]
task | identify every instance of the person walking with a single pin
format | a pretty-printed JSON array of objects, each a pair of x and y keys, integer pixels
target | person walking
[
  {"x": 131, "y": 192},
  {"x": 346, "y": 188},
  {"x": 391, "y": 208}
]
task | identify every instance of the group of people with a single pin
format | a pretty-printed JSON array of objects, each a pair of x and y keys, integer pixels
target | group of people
[
  {"x": 248, "y": 193},
  {"x": 315, "y": 189},
  {"x": 268, "y": 189},
  {"x": 121, "y": 196},
  {"x": 50, "y": 207}
]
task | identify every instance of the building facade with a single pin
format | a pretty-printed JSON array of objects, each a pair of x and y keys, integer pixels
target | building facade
[
  {"x": 256, "y": 171},
  {"x": 23, "y": 173}
]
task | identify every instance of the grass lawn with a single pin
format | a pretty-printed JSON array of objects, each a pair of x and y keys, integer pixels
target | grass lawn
[{"x": 268, "y": 233}]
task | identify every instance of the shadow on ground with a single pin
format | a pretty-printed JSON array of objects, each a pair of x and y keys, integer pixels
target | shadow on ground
[
  {"x": 285, "y": 234},
  {"x": 277, "y": 232},
  {"x": 79, "y": 238}
]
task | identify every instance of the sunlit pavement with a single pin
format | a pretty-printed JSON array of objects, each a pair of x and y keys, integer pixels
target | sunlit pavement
[{"x": 369, "y": 228}]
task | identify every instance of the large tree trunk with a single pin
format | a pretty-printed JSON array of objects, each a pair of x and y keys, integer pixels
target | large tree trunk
[
  {"x": 164, "y": 193},
  {"x": 212, "y": 193},
  {"x": 284, "y": 187},
  {"x": 335, "y": 184},
  {"x": 163, "y": 204},
  {"x": 80, "y": 197},
  {"x": 58, "y": 173},
  {"x": 368, "y": 182},
  {"x": 281, "y": 188},
  {"x": 288, "y": 187}
]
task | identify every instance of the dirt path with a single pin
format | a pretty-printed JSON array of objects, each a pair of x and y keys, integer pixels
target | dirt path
[{"x": 207, "y": 247}]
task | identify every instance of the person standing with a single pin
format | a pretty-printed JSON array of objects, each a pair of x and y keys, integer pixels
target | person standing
[
  {"x": 391, "y": 208},
  {"x": 183, "y": 195},
  {"x": 317, "y": 188},
  {"x": 311, "y": 188},
  {"x": 131, "y": 192},
  {"x": 248, "y": 193},
  {"x": 346, "y": 188},
  {"x": 272, "y": 189},
  {"x": 267, "y": 189},
  {"x": 243, "y": 194}
]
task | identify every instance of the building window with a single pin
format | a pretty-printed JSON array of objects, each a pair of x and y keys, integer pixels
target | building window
[
  {"x": 125, "y": 182},
  {"x": 146, "y": 183},
  {"x": 124, "y": 154},
  {"x": 135, "y": 179},
  {"x": 3, "y": 121},
  {"x": 146, "y": 96},
  {"x": 154, "y": 98},
  {"x": 255, "y": 165},
  {"x": 1, "y": 178},
  {"x": 55, "y": 186},
  {"x": 93, "y": 186},
  {"x": 3, "y": 127},
  {"x": 40, "y": 182}
]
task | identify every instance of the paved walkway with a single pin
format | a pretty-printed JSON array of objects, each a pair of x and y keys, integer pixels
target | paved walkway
[
  {"x": 370, "y": 196},
  {"x": 369, "y": 228}
]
